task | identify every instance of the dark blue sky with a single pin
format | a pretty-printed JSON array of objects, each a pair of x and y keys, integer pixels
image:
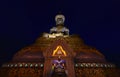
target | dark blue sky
[{"x": 96, "y": 21}]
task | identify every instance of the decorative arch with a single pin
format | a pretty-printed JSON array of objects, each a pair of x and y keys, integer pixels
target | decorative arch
[
  {"x": 59, "y": 51},
  {"x": 61, "y": 44}
]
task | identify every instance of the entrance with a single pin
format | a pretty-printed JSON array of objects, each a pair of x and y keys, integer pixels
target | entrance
[{"x": 58, "y": 68}]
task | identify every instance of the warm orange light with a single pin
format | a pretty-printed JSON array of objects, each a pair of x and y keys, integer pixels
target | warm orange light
[{"x": 59, "y": 50}]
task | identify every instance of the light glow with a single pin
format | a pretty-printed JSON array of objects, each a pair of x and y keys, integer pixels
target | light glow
[{"x": 59, "y": 50}]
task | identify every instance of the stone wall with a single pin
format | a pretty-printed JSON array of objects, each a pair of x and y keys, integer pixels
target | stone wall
[
  {"x": 96, "y": 72},
  {"x": 21, "y": 72}
]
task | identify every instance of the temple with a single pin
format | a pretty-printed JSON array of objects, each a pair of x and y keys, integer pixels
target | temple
[{"x": 58, "y": 54}]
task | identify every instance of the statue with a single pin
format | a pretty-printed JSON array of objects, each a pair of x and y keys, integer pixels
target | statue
[{"x": 58, "y": 68}]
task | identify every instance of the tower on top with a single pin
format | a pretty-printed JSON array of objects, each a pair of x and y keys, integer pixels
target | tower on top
[{"x": 60, "y": 29}]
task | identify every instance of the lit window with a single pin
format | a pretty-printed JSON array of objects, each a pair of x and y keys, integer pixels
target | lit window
[
  {"x": 105, "y": 65},
  {"x": 26, "y": 65},
  {"x": 20, "y": 65},
  {"x": 81, "y": 65},
  {"x": 11, "y": 65},
  {"x": 31, "y": 65},
  {"x": 96, "y": 65},
  {"x": 76, "y": 65},
  {"x": 91, "y": 65},
  {"x": 111, "y": 65},
  {"x": 101, "y": 65},
  {"x": 86, "y": 65},
  {"x": 108, "y": 65},
  {"x": 41, "y": 65},
  {"x": 36, "y": 65},
  {"x": 15, "y": 65},
  {"x": 8, "y": 65}
]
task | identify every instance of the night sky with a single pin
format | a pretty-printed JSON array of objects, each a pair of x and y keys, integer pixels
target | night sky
[{"x": 96, "y": 21}]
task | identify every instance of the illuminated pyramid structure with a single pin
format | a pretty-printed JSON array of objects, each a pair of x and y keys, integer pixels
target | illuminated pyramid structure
[{"x": 58, "y": 54}]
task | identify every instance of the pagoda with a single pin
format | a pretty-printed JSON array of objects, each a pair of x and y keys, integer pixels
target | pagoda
[{"x": 58, "y": 54}]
